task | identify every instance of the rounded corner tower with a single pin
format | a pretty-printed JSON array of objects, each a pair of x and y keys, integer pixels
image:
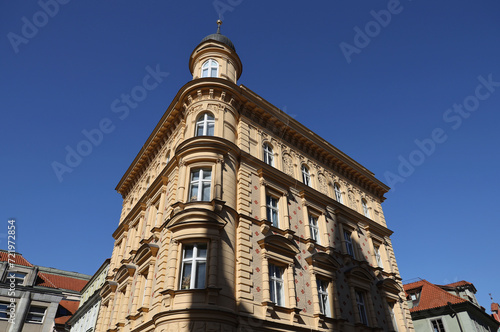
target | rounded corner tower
[{"x": 215, "y": 56}]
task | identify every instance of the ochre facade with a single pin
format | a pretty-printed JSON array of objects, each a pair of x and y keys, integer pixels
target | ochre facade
[{"x": 238, "y": 218}]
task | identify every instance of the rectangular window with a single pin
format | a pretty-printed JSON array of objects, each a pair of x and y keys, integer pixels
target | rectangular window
[
  {"x": 4, "y": 311},
  {"x": 144, "y": 280},
  {"x": 393, "y": 317},
  {"x": 348, "y": 243},
  {"x": 272, "y": 210},
  {"x": 35, "y": 315},
  {"x": 324, "y": 303},
  {"x": 199, "y": 189},
  {"x": 276, "y": 285},
  {"x": 194, "y": 266},
  {"x": 313, "y": 225},
  {"x": 360, "y": 301},
  {"x": 378, "y": 257},
  {"x": 437, "y": 325},
  {"x": 16, "y": 277}
]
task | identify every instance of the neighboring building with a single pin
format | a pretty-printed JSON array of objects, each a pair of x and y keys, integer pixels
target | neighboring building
[
  {"x": 236, "y": 216},
  {"x": 85, "y": 318},
  {"x": 447, "y": 308},
  {"x": 45, "y": 298},
  {"x": 494, "y": 312}
]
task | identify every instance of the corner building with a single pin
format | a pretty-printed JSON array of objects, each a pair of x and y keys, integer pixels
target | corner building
[{"x": 238, "y": 218}]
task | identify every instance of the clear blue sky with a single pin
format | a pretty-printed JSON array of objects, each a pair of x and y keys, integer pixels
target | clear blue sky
[{"x": 398, "y": 87}]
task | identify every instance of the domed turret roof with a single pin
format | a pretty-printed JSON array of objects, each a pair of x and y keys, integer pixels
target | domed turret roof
[{"x": 219, "y": 37}]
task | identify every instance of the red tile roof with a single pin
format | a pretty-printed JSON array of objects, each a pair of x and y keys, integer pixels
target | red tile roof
[
  {"x": 431, "y": 296},
  {"x": 71, "y": 306},
  {"x": 459, "y": 283},
  {"x": 57, "y": 281},
  {"x": 14, "y": 258}
]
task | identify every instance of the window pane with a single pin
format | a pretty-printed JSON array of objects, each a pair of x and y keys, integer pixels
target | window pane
[
  {"x": 206, "y": 192},
  {"x": 195, "y": 176},
  {"x": 272, "y": 290},
  {"x": 193, "y": 196},
  {"x": 199, "y": 129},
  {"x": 37, "y": 310},
  {"x": 204, "y": 73},
  {"x": 214, "y": 72},
  {"x": 207, "y": 174},
  {"x": 186, "y": 276},
  {"x": 202, "y": 250},
  {"x": 188, "y": 251},
  {"x": 275, "y": 219},
  {"x": 34, "y": 318},
  {"x": 210, "y": 131},
  {"x": 279, "y": 294},
  {"x": 200, "y": 275}
]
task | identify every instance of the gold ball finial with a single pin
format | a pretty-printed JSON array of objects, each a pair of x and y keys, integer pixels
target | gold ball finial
[{"x": 219, "y": 23}]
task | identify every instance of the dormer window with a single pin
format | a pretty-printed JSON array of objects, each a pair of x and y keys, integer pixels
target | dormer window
[
  {"x": 16, "y": 277},
  {"x": 210, "y": 68},
  {"x": 414, "y": 298}
]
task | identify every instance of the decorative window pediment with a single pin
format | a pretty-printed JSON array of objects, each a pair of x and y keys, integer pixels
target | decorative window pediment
[
  {"x": 124, "y": 272},
  {"x": 324, "y": 261},
  {"x": 146, "y": 251},
  {"x": 360, "y": 276},
  {"x": 390, "y": 286},
  {"x": 279, "y": 244}
]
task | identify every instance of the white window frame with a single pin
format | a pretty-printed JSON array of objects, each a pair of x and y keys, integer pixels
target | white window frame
[
  {"x": 437, "y": 320},
  {"x": 378, "y": 257},
  {"x": 195, "y": 262},
  {"x": 314, "y": 228},
  {"x": 338, "y": 193},
  {"x": 17, "y": 277},
  {"x": 272, "y": 210},
  {"x": 203, "y": 122},
  {"x": 349, "y": 246},
  {"x": 276, "y": 279},
  {"x": 208, "y": 66},
  {"x": 365, "y": 208},
  {"x": 360, "y": 302},
  {"x": 306, "y": 175},
  {"x": 324, "y": 300},
  {"x": 268, "y": 154},
  {"x": 35, "y": 314},
  {"x": 200, "y": 184}
]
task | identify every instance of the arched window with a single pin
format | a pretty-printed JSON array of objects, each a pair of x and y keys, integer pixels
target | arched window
[
  {"x": 205, "y": 125},
  {"x": 365, "y": 208},
  {"x": 306, "y": 177},
  {"x": 210, "y": 68},
  {"x": 338, "y": 193},
  {"x": 268, "y": 154}
]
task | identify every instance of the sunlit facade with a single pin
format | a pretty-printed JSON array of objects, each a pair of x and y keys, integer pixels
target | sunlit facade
[{"x": 236, "y": 216}]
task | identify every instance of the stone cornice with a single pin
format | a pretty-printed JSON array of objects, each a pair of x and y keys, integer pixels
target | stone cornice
[{"x": 264, "y": 114}]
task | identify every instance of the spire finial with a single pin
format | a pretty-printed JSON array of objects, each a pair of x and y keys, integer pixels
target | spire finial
[{"x": 219, "y": 23}]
